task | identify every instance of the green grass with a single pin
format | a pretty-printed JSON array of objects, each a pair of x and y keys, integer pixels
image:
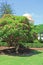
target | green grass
[{"x": 18, "y": 60}]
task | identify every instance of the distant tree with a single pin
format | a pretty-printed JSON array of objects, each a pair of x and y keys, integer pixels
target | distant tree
[{"x": 5, "y": 9}]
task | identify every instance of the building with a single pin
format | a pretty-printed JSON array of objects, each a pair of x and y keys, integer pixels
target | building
[{"x": 40, "y": 36}]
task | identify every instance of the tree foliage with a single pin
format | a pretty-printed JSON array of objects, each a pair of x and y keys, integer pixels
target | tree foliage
[
  {"x": 5, "y": 9},
  {"x": 15, "y": 30},
  {"x": 39, "y": 28}
]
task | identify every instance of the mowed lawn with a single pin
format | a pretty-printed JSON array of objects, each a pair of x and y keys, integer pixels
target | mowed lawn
[{"x": 36, "y": 59}]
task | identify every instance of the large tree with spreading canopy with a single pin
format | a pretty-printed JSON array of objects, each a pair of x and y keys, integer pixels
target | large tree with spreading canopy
[{"x": 15, "y": 30}]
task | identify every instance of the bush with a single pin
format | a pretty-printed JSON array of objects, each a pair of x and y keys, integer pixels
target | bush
[
  {"x": 3, "y": 44},
  {"x": 34, "y": 45},
  {"x": 36, "y": 41},
  {"x": 37, "y": 45}
]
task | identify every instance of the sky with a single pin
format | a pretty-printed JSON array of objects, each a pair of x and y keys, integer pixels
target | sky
[{"x": 32, "y": 7}]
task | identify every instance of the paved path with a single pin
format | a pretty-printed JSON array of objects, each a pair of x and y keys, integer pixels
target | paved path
[{"x": 37, "y": 48}]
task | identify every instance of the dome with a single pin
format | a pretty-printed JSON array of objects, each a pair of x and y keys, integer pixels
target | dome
[{"x": 28, "y": 16}]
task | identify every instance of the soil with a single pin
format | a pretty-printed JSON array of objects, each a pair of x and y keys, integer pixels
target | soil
[{"x": 11, "y": 50}]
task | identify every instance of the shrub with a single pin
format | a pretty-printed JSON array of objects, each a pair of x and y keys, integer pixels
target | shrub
[
  {"x": 38, "y": 45},
  {"x": 36, "y": 41},
  {"x": 34, "y": 45},
  {"x": 3, "y": 44}
]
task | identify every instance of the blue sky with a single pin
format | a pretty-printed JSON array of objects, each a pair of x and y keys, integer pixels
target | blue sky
[{"x": 33, "y": 7}]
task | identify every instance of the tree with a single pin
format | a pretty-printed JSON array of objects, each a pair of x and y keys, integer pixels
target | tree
[
  {"x": 15, "y": 30},
  {"x": 5, "y": 9}
]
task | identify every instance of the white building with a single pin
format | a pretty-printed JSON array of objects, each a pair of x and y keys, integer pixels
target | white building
[{"x": 40, "y": 36}]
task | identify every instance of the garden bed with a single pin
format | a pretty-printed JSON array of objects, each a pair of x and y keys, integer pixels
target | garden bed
[{"x": 11, "y": 50}]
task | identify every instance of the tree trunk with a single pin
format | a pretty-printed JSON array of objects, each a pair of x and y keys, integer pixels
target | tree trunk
[{"x": 17, "y": 47}]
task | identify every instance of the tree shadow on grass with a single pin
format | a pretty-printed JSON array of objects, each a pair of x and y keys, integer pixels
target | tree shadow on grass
[{"x": 22, "y": 52}]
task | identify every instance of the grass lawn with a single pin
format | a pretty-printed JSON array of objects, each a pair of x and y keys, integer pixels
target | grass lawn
[{"x": 36, "y": 59}]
